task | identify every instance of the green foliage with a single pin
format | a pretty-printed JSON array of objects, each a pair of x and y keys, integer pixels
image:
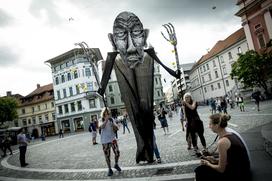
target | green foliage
[
  {"x": 253, "y": 69},
  {"x": 8, "y": 111}
]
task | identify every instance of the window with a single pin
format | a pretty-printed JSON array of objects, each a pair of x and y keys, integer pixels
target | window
[
  {"x": 79, "y": 106},
  {"x": 60, "y": 109},
  {"x": 203, "y": 79},
  {"x": 33, "y": 120},
  {"x": 201, "y": 69},
  {"x": 58, "y": 94},
  {"x": 216, "y": 74},
  {"x": 261, "y": 40},
  {"x": 159, "y": 93},
  {"x": 52, "y": 104},
  {"x": 71, "y": 91},
  {"x": 53, "y": 116},
  {"x": 62, "y": 78},
  {"x": 77, "y": 89},
  {"x": 73, "y": 109},
  {"x": 212, "y": 88},
  {"x": 210, "y": 77},
  {"x": 46, "y": 117},
  {"x": 230, "y": 55},
  {"x": 110, "y": 88},
  {"x": 112, "y": 100},
  {"x": 23, "y": 111},
  {"x": 90, "y": 86},
  {"x": 227, "y": 83},
  {"x": 40, "y": 119},
  {"x": 33, "y": 109},
  {"x": 39, "y": 107},
  {"x": 219, "y": 85},
  {"x": 207, "y": 65},
  {"x": 156, "y": 81},
  {"x": 29, "y": 121},
  {"x": 75, "y": 74},
  {"x": 224, "y": 70},
  {"x": 88, "y": 72},
  {"x": 64, "y": 93},
  {"x": 205, "y": 89},
  {"x": 239, "y": 50},
  {"x": 24, "y": 122},
  {"x": 66, "y": 109},
  {"x": 222, "y": 59},
  {"x": 214, "y": 64},
  {"x": 57, "y": 80},
  {"x": 69, "y": 76},
  {"x": 92, "y": 103},
  {"x": 45, "y": 106},
  {"x": 204, "y": 68}
]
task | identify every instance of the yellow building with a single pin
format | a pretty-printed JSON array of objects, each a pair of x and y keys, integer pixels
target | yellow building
[{"x": 36, "y": 112}]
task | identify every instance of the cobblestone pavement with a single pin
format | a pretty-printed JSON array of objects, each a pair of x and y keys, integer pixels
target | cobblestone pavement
[{"x": 75, "y": 158}]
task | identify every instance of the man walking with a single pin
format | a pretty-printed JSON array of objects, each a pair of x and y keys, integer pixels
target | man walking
[{"x": 22, "y": 141}]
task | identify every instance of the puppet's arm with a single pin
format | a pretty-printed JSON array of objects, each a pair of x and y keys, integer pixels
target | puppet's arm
[
  {"x": 152, "y": 54},
  {"x": 107, "y": 72}
]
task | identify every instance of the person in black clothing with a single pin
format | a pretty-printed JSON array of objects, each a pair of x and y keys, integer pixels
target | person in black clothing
[
  {"x": 233, "y": 162},
  {"x": 257, "y": 97},
  {"x": 6, "y": 145},
  {"x": 61, "y": 133},
  {"x": 224, "y": 105},
  {"x": 194, "y": 124}
]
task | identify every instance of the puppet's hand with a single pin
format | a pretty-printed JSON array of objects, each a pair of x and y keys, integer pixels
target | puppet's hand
[
  {"x": 100, "y": 92},
  {"x": 178, "y": 72}
]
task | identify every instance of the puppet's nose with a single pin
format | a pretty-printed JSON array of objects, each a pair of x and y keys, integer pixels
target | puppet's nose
[{"x": 131, "y": 47}]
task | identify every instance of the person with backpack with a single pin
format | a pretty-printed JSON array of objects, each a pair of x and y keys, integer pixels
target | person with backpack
[
  {"x": 93, "y": 129},
  {"x": 6, "y": 145},
  {"x": 257, "y": 97}
]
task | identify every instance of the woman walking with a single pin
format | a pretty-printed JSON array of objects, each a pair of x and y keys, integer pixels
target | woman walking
[
  {"x": 194, "y": 124},
  {"x": 108, "y": 139}
]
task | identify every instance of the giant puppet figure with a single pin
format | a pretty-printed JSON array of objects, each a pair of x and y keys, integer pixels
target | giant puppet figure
[{"x": 134, "y": 68}]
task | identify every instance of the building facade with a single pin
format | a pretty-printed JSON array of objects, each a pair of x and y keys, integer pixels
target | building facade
[
  {"x": 36, "y": 112},
  {"x": 256, "y": 17},
  {"x": 75, "y": 89},
  {"x": 210, "y": 76}
]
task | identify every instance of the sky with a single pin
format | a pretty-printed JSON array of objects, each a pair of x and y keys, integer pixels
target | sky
[{"x": 34, "y": 31}]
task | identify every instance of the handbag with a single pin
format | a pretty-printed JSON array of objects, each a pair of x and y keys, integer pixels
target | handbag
[{"x": 114, "y": 127}]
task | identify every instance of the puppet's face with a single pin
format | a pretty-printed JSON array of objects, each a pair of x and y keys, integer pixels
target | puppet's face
[{"x": 129, "y": 38}]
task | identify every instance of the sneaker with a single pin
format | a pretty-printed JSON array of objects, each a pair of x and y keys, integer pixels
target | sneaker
[
  {"x": 159, "y": 160},
  {"x": 110, "y": 172},
  {"x": 116, "y": 166}
]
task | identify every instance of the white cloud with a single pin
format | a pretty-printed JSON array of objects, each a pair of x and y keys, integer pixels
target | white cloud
[{"x": 35, "y": 31}]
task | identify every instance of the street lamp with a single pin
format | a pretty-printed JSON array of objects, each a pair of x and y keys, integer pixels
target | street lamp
[{"x": 92, "y": 58}]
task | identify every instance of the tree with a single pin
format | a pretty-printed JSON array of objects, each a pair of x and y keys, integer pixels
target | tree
[
  {"x": 8, "y": 111},
  {"x": 253, "y": 69}
]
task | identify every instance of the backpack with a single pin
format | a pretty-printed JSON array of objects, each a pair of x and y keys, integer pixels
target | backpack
[{"x": 90, "y": 128}]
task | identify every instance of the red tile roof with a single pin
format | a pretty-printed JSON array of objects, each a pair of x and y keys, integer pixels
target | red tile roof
[{"x": 222, "y": 45}]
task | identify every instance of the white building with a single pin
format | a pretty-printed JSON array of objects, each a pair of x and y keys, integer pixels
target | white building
[
  {"x": 210, "y": 76},
  {"x": 74, "y": 86}
]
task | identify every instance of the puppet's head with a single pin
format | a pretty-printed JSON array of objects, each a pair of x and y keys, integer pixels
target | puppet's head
[{"x": 129, "y": 38}]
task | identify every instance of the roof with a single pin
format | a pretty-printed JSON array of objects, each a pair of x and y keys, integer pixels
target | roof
[
  {"x": 187, "y": 66},
  {"x": 42, "y": 89},
  {"x": 72, "y": 53},
  {"x": 41, "y": 94},
  {"x": 222, "y": 45}
]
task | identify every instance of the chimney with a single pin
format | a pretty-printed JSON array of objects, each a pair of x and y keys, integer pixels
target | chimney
[
  {"x": 8, "y": 93},
  {"x": 38, "y": 86}
]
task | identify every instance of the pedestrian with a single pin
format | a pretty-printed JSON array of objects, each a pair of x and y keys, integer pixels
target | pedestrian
[
  {"x": 241, "y": 103},
  {"x": 108, "y": 139},
  {"x": 22, "y": 141},
  {"x": 155, "y": 146},
  {"x": 2, "y": 144},
  {"x": 61, "y": 133},
  {"x": 224, "y": 105},
  {"x": 233, "y": 162},
  {"x": 124, "y": 123},
  {"x": 257, "y": 97},
  {"x": 7, "y": 145},
  {"x": 163, "y": 120},
  {"x": 194, "y": 123},
  {"x": 213, "y": 106},
  {"x": 93, "y": 129}
]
